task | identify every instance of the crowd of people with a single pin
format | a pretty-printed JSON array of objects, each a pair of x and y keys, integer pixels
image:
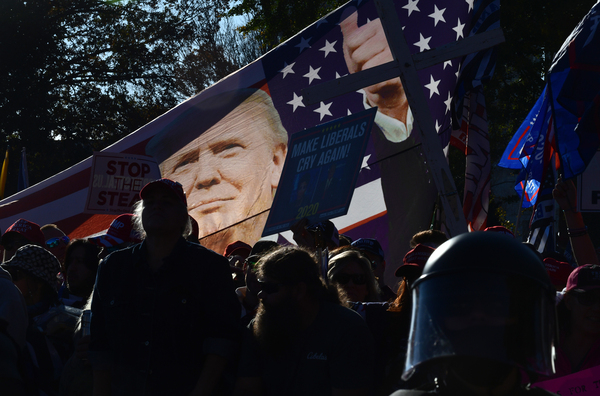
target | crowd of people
[{"x": 144, "y": 309}]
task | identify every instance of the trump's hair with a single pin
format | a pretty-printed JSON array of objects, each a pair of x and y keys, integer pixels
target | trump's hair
[{"x": 237, "y": 109}]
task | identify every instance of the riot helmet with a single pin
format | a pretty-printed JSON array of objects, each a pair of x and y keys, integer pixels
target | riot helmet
[{"x": 483, "y": 297}]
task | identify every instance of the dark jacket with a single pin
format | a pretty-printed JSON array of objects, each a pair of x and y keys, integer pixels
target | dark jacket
[{"x": 152, "y": 330}]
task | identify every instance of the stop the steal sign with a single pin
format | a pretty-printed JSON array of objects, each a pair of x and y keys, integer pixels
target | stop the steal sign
[{"x": 116, "y": 181}]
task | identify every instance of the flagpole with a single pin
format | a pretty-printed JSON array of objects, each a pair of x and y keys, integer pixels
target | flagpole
[
  {"x": 556, "y": 214},
  {"x": 4, "y": 173},
  {"x": 554, "y": 126},
  {"x": 433, "y": 215},
  {"x": 23, "y": 173},
  {"x": 521, "y": 203},
  {"x": 557, "y": 153}
]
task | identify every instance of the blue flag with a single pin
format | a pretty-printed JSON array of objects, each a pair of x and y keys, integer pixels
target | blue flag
[
  {"x": 536, "y": 155},
  {"x": 511, "y": 158},
  {"x": 564, "y": 116},
  {"x": 578, "y": 64}
]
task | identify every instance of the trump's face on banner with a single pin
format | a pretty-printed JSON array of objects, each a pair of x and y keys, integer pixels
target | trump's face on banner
[{"x": 231, "y": 168}]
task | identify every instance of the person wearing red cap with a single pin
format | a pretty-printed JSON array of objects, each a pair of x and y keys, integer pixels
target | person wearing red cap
[
  {"x": 558, "y": 271},
  {"x": 408, "y": 272},
  {"x": 164, "y": 313},
  {"x": 413, "y": 263},
  {"x": 579, "y": 322},
  {"x": 237, "y": 252},
  {"x": 119, "y": 235},
  {"x": 238, "y": 248},
  {"x": 399, "y": 318},
  {"x": 22, "y": 232}
]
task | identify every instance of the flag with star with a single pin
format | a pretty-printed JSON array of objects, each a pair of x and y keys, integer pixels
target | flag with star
[
  {"x": 394, "y": 163},
  {"x": 395, "y": 193},
  {"x": 317, "y": 55},
  {"x": 474, "y": 142},
  {"x": 470, "y": 128}
]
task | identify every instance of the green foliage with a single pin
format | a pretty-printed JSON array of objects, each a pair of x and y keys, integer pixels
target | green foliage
[
  {"x": 77, "y": 75},
  {"x": 534, "y": 32},
  {"x": 274, "y": 21},
  {"x": 497, "y": 215}
]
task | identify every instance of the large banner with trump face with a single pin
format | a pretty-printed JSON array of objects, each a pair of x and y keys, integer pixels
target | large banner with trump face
[{"x": 227, "y": 145}]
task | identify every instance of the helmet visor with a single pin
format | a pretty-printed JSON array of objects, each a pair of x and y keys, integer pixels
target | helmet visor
[{"x": 484, "y": 315}]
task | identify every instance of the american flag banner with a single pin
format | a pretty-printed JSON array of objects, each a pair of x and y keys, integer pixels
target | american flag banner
[
  {"x": 216, "y": 144},
  {"x": 318, "y": 54},
  {"x": 472, "y": 138},
  {"x": 470, "y": 133}
]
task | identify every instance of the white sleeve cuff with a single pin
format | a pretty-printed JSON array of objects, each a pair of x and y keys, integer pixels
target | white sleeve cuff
[{"x": 394, "y": 130}]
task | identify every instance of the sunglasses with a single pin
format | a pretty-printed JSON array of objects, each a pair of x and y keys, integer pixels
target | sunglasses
[
  {"x": 373, "y": 264},
  {"x": 587, "y": 299},
  {"x": 253, "y": 265},
  {"x": 269, "y": 287},
  {"x": 357, "y": 279},
  {"x": 55, "y": 242}
]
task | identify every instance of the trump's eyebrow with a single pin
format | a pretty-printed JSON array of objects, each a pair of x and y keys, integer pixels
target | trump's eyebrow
[
  {"x": 228, "y": 143},
  {"x": 187, "y": 158}
]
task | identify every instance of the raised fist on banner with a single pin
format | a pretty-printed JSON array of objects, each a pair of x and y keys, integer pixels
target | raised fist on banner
[{"x": 364, "y": 48}]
